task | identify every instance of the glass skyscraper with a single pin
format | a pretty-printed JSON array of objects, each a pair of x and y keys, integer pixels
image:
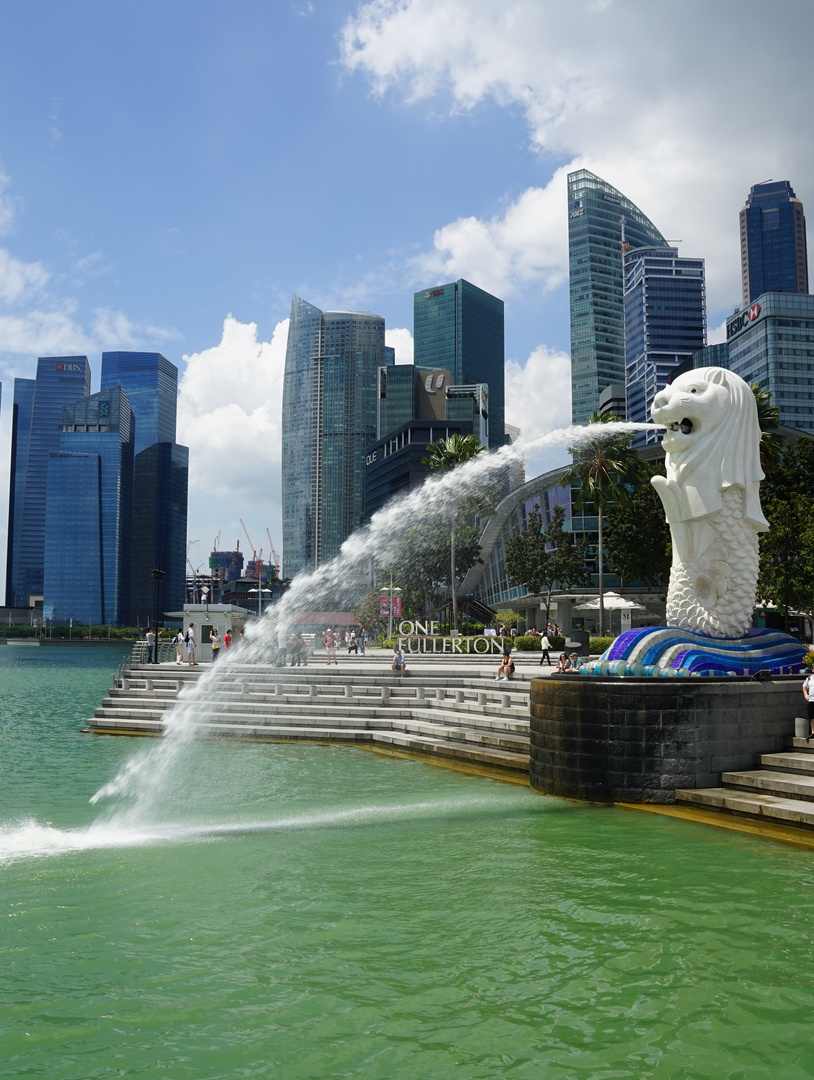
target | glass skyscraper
[
  {"x": 160, "y": 479},
  {"x": 36, "y": 431},
  {"x": 602, "y": 224},
  {"x": 459, "y": 327},
  {"x": 665, "y": 323},
  {"x": 774, "y": 257},
  {"x": 89, "y": 505},
  {"x": 151, "y": 384},
  {"x": 160, "y": 488},
  {"x": 772, "y": 343},
  {"x": 329, "y": 418}
]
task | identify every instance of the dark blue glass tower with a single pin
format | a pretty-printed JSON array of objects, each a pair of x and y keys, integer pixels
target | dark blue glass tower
[
  {"x": 36, "y": 433},
  {"x": 601, "y": 223},
  {"x": 160, "y": 483},
  {"x": 774, "y": 256},
  {"x": 459, "y": 327},
  {"x": 665, "y": 323},
  {"x": 151, "y": 384},
  {"x": 89, "y": 509},
  {"x": 22, "y": 406},
  {"x": 160, "y": 479},
  {"x": 329, "y": 418}
]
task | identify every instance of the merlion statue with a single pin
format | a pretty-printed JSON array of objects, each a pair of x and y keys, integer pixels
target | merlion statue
[{"x": 711, "y": 498}]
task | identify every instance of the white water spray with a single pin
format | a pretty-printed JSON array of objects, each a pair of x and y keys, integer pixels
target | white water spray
[{"x": 140, "y": 782}]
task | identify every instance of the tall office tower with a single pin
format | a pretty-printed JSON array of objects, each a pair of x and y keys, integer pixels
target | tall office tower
[
  {"x": 665, "y": 323},
  {"x": 21, "y": 410},
  {"x": 459, "y": 327},
  {"x": 772, "y": 343},
  {"x": 151, "y": 384},
  {"x": 89, "y": 507},
  {"x": 329, "y": 418},
  {"x": 36, "y": 431},
  {"x": 160, "y": 479},
  {"x": 160, "y": 491},
  {"x": 774, "y": 257},
  {"x": 601, "y": 222}
]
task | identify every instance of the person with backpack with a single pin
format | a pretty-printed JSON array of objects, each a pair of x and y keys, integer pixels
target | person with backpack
[
  {"x": 179, "y": 647},
  {"x": 189, "y": 638}
]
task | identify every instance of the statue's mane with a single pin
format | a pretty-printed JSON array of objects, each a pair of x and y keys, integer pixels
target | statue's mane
[{"x": 728, "y": 455}]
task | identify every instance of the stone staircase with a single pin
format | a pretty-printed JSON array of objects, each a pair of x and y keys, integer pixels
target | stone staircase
[
  {"x": 457, "y": 712},
  {"x": 780, "y": 790}
]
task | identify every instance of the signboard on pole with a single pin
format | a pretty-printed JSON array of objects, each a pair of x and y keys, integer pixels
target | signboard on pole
[
  {"x": 397, "y": 607},
  {"x": 384, "y": 606}
]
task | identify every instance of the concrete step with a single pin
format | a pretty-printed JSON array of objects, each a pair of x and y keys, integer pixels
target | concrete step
[
  {"x": 773, "y": 783},
  {"x": 778, "y": 808},
  {"x": 452, "y": 725},
  {"x": 789, "y": 761},
  {"x": 480, "y": 751}
]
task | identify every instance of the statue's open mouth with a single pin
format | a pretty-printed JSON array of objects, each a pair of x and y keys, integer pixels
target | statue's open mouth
[{"x": 686, "y": 427}]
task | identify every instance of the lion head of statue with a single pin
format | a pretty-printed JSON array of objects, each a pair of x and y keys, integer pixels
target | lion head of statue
[{"x": 711, "y": 441}]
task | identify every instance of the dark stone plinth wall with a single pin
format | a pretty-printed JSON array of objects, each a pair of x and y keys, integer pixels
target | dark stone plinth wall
[{"x": 636, "y": 739}]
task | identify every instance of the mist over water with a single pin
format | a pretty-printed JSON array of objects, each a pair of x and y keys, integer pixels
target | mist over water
[{"x": 137, "y": 787}]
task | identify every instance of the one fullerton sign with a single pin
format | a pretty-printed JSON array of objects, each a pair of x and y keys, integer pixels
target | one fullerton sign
[{"x": 416, "y": 637}]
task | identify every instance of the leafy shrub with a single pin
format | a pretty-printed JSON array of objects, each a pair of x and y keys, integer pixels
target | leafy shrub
[
  {"x": 527, "y": 644},
  {"x": 599, "y": 644}
]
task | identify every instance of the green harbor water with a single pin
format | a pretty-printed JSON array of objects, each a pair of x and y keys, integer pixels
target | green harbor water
[{"x": 302, "y": 912}]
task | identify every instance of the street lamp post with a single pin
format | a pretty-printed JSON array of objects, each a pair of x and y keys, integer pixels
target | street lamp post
[
  {"x": 260, "y": 599},
  {"x": 390, "y": 590}
]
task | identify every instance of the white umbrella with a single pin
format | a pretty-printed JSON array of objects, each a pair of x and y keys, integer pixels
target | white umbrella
[{"x": 611, "y": 602}]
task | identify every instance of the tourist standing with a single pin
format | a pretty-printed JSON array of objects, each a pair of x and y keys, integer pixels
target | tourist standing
[
  {"x": 545, "y": 645},
  {"x": 295, "y": 648},
  {"x": 227, "y": 639},
  {"x": 150, "y": 644},
  {"x": 362, "y": 640},
  {"x": 214, "y": 637},
  {"x": 329, "y": 641},
  {"x": 179, "y": 647},
  {"x": 190, "y": 640},
  {"x": 808, "y": 694}
]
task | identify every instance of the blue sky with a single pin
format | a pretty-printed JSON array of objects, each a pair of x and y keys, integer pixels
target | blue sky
[{"x": 172, "y": 172}]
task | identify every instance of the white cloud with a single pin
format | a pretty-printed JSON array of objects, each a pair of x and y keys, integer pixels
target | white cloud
[
  {"x": 401, "y": 340},
  {"x": 538, "y": 400},
  {"x": 8, "y": 207},
  {"x": 526, "y": 245},
  {"x": 655, "y": 98},
  {"x": 19, "y": 280},
  {"x": 538, "y": 393},
  {"x": 229, "y": 414}
]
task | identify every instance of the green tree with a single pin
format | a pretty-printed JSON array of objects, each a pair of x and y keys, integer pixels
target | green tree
[
  {"x": 637, "y": 536},
  {"x": 367, "y": 614},
  {"x": 603, "y": 464},
  {"x": 443, "y": 456},
  {"x": 768, "y": 416},
  {"x": 786, "y": 574},
  {"x": 541, "y": 557}
]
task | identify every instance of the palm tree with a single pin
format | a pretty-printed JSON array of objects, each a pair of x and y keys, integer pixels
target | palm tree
[
  {"x": 443, "y": 456},
  {"x": 602, "y": 465},
  {"x": 768, "y": 416}
]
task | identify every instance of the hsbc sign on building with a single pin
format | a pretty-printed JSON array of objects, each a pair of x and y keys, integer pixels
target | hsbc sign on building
[{"x": 742, "y": 320}]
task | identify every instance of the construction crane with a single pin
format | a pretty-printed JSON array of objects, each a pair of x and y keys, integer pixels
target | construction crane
[
  {"x": 273, "y": 554},
  {"x": 215, "y": 542},
  {"x": 256, "y": 555}
]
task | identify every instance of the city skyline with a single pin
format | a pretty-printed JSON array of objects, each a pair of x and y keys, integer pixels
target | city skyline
[{"x": 177, "y": 214}]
